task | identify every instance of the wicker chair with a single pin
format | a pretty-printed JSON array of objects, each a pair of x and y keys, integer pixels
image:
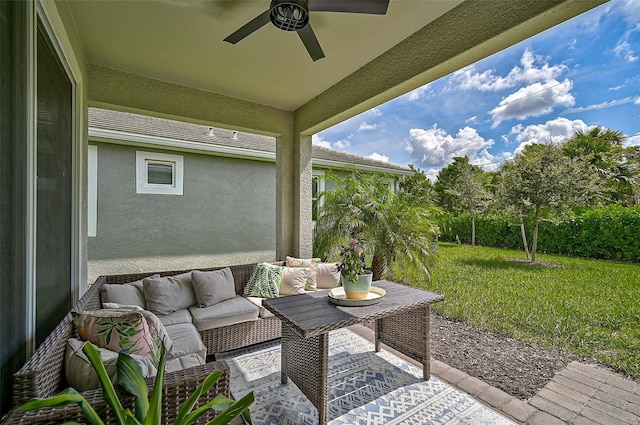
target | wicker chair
[{"x": 43, "y": 374}]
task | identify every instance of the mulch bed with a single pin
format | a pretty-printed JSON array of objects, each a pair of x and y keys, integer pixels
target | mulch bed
[{"x": 518, "y": 368}]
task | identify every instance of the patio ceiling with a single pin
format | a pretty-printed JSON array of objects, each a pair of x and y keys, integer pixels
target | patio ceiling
[
  {"x": 369, "y": 58},
  {"x": 181, "y": 41}
]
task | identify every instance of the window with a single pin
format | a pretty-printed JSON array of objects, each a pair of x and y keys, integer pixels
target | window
[
  {"x": 317, "y": 187},
  {"x": 92, "y": 190},
  {"x": 159, "y": 173}
]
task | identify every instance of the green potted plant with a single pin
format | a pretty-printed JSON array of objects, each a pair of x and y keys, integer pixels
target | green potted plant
[
  {"x": 148, "y": 406},
  {"x": 356, "y": 279}
]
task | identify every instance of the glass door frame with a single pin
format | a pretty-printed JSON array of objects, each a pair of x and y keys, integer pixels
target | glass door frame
[{"x": 44, "y": 16}]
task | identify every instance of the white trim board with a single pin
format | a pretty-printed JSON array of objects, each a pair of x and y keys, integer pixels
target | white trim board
[{"x": 145, "y": 141}]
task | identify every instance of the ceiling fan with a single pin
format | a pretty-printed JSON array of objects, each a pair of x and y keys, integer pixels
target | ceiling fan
[{"x": 293, "y": 15}]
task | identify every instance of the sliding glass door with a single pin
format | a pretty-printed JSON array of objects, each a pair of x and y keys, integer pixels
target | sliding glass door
[{"x": 54, "y": 213}]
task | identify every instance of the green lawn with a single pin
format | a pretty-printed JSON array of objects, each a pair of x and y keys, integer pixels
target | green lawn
[{"x": 589, "y": 307}]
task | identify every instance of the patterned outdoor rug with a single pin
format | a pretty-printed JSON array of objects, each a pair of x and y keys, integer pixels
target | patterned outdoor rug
[{"x": 365, "y": 388}]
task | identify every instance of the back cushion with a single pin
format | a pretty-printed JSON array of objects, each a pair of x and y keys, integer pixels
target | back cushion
[
  {"x": 213, "y": 287},
  {"x": 167, "y": 294},
  {"x": 265, "y": 281},
  {"x": 294, "y": 280},
  {"x": 125, "y": 293},
  {"x": 311, "y": 264},
  {"x": 328, "y": 275}
]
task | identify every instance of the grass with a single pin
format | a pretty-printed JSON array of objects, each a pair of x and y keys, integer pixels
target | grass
[{"x": 587, "y": 307}]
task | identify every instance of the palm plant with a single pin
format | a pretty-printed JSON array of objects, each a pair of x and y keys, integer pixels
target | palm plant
[
  {"x": 148, "y": 406},
  {"x": 400, "y": 231},
  {"x": 602, "y": 151}
]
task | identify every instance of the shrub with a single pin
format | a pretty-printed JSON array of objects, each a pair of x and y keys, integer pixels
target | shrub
[{"x": 609, "y": 232}]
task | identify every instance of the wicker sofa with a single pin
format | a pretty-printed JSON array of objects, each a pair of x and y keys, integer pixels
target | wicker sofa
[{"x": 43, "y": 374}]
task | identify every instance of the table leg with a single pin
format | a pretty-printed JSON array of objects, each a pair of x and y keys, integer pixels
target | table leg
[
  {"x": 305, "y": 361},
  {"x": 426, "y": 354},
  {"x": 407, "y": 332},
  {"x": 283, "y": 356},
  {"x": 377, "y": 335}
]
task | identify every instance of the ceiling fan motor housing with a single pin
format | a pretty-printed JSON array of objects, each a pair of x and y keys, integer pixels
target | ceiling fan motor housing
[{"x": 289, "y": 15}]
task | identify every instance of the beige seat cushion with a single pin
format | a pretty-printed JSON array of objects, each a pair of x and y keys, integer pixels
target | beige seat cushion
[
  {"x": 179, "y": 316},
  {"x": 186, "y": 341},
  {"x": 229, "y": 312},
  {"x": 263, "y": 312},
  {"x": 184, "y": 362}
]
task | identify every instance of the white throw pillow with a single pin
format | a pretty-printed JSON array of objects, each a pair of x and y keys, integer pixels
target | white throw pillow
[
  {"x": 328, "y": 275},
  {"x": 294, "y": 280}
]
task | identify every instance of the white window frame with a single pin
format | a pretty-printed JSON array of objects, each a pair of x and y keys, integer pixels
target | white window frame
[
  {"x": 320, "y": 175},
  {"x": 142, "y": 184},
  {"x": 92, "y": 190}
]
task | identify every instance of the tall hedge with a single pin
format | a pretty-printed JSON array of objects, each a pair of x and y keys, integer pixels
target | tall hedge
[{"x": 610, "y": 232}]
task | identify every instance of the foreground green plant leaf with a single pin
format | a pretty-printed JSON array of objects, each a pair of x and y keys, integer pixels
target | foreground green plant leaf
[
  {"x": 187, "y": 406},
  {"x": 131, "y": 379},
  {"x": 108, "y": 391},
  {"x": 148, "y": 407}
]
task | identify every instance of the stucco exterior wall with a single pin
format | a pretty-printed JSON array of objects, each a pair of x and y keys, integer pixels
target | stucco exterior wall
[{"x": 226, "y": 215}]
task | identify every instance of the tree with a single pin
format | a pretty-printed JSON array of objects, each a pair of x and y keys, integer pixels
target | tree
[
  {"x": 399, "y": 230},
  {"x": 631, "y": 155},
  {"x": 417, "y": 188},
  {"x": 447, "y": 178},
  {"x": 601, "y": 150},
  {"x": 469, "y": 194},
  {"x": 539, "y": 182}
]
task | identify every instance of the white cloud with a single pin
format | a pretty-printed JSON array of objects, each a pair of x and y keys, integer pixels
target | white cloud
[
  {"x": 633, "y": 141},
  {"x": 317, "y": 139},
  {"x": 435, "y": 147},
  {"x": 368, "y": 127},
  {"x": 616, "y": 88},
  {"x": 637, "y": 102},
  {"x": 342, "y": 144},
  {"x": 379, "y": 157},
  {"x": 556, "y": 131},
  {"x": 490, "y": 162},
  {"x": 623, "y": 50},
  {"x": 375, "y": 112},
  {"x": 468, "y": 79},
  {"x": 533, "y": 101},
  {"x": 432, "y": 174}
]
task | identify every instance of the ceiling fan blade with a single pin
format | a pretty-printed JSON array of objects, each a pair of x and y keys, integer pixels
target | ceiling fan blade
[
  {"x": 373, "y": 7},
  {"x": 310, "y": 41},
  {"x": 251, "y": 26}
]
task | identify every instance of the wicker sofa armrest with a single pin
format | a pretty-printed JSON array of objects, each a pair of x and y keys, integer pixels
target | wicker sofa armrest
[
  {"x": 177, "y": 387},
  {"x": 42, "y": 375}
]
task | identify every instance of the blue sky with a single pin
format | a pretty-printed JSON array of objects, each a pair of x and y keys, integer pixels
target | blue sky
[{"x": 581, "y": 73}]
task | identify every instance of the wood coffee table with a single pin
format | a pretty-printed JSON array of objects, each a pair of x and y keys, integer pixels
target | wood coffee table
[{"x": 401, "y": 321}]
